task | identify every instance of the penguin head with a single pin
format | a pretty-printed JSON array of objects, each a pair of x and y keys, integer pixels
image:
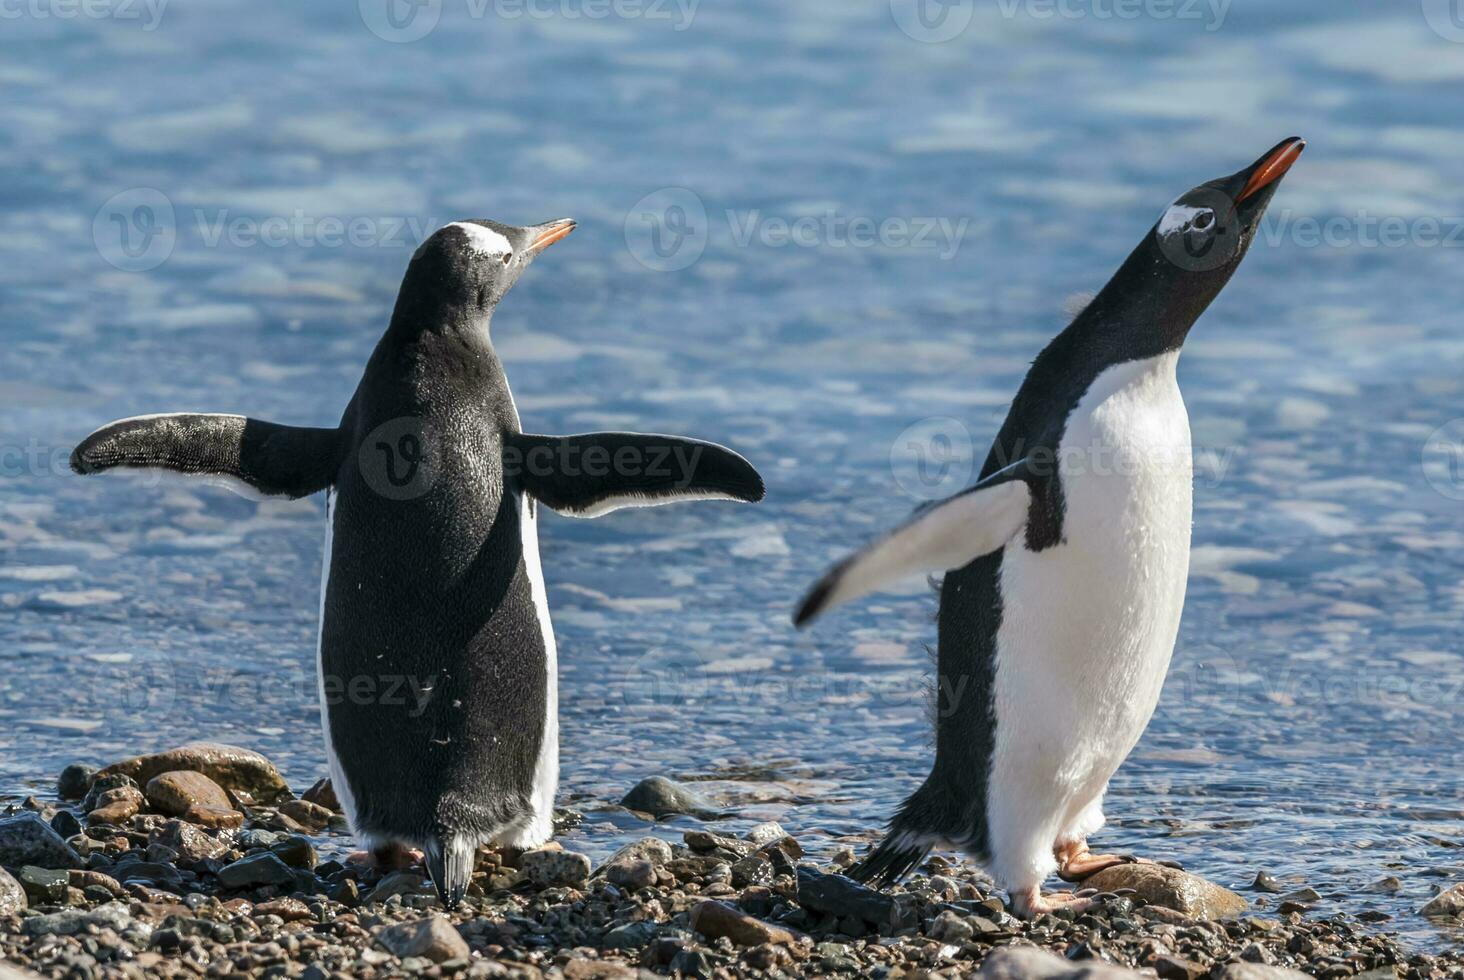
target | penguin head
[
  {"x": 467, "y": 267},
  {"x": 1210, "y": 227},
  {"x": 1192, "y": 251}
]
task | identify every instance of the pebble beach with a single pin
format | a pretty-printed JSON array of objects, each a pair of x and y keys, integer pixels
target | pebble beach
[{"x": 203, "y": 862}]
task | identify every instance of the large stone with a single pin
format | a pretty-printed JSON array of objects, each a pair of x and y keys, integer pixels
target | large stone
[
  {"x": 1155, "y": 884},
  {"x": 231, "y": 767},
  {"x": 652, "y": 849},
  {"x": 257, "y": 869},
  {"x": 310, "y": 815},
  {"x": 12, "y": 895},
  {"x": 27, "y": 839},
  {"x": 75, "y": 780},
  {"x": 322, "y": 793},
  {"x": 113, "y": 915},
  {"x": 102, "y": 785},
  {"x": 175, "y": 793},
  {"x": 716, "y": 919},
  {"x": 432, "y": 938},
  {"x": 46, "y": 886},
  {"x": 660, "y": 797},
  {"x": 846, "y": 898},
  {"x": 1447, "y": 904},
  {"x": 191, "y": 843},
  {"x": 1031, "y": 963},
  {"x": 550, "y": 868}
]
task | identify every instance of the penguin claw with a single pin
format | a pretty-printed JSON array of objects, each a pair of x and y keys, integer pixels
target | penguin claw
[
  {"x": 1032, "y": 903},
  {"x": 1078, "y": 864}
]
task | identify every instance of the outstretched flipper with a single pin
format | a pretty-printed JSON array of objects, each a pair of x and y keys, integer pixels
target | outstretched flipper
[
  {"x": 597, "y": 472},
  {"x": 271, "y": 459},
  {"x": 942, "y": 535}
]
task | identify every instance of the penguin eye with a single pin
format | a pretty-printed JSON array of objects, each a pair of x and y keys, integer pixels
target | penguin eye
[
  {"x": 1204, "y": 220},
  {"x": 507, "y": 257}
]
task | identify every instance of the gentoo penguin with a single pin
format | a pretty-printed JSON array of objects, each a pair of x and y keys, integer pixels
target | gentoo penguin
[
  {"x": 436, "y": 655},
  {"x": 1065, "y": 565}
]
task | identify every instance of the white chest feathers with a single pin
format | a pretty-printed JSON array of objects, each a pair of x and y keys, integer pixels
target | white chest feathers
[{"x": 1088, "y": 625}]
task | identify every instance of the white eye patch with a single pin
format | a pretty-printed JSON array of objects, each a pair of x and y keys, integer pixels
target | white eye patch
[
  {"x": 1177, "y": 217},
  {"x": 485, "y": 241}
]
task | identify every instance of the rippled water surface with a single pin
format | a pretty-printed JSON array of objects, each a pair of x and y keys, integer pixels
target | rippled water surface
[{"x": 803, "y": 231}]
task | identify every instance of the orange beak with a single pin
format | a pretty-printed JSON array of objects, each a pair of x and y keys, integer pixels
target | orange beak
[
  {"x": 1273, "y": 167},
  {"x": 551, "y": 232}
]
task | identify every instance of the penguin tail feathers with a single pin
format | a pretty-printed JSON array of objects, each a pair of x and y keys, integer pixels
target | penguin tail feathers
[
  {"x": 450, "y": 864},
  {"x": 891, "y": 860}
]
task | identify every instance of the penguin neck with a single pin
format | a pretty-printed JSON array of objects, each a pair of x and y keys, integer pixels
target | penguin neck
[
  {"x": 1146, "y": 309},
  {"x": 417, "y": 315}
]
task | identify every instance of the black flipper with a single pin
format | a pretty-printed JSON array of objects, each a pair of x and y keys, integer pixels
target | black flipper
[
  {"x": 597, "y": 472},
  {"x": 890, "y": 861},
  {"x": 276, "y": 460},
  {"x": 449, "y": 860}
]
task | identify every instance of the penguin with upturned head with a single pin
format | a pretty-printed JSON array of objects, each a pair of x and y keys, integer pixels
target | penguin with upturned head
[
  {"x": 1065, "y": 565},
  {"x": 436, "y": 654}
]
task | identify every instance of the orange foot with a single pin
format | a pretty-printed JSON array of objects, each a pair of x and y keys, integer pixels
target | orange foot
[
  {"x": 387, "y": 857},
  {"x": 1076, "y": 863},
  {"x": 1032, "y": 903}
]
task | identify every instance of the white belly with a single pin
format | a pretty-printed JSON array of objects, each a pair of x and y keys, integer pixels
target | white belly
[{"x": 1088, "y": 625}]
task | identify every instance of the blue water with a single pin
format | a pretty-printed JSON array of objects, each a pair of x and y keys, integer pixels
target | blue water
[{"x": 804, "y": 231}]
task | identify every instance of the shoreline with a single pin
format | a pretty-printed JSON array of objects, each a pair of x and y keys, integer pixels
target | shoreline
[{"x": 203, "y": 861}]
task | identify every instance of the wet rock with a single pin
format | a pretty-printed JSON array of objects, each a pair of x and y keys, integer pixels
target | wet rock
[
  {"x": 766, "y": 833},
  {"x": 550, "y": 868},
  {"x": 754, "y": 870},
  {"x": 1266, "y": 882},
  {"x": 703, "y": 842},
  {"x": 74, "y": 781},
  {"x": 66, "y": 824},
  {"x": 45, "y": 886},
  {"x": 660, "y": 797},
  {"x": 189, "y": 842},
  {"x": 175, "y": 793},
  {"x": 12, "y": 894},
  {"x": 432, "y": 938},
  {"x": 1448, "y": 904},
  {"x": 214, "y": 818},
  {"x": 651, "y": 849},
  {"x": 113, "y": 915},
  {"x": 583, "y": 969},
  {"x": 1178, "y": 968},
  {"x": 1031, "y": 963},
  {"x": 631, "y": 875},
  {"x": 1171, "y": 888},
  {"x": 149, "y": 873},
  {"x": 1302, "y": 896},
  {"x": 288, "y": 909},
  {"x": 27, "y": 839},
  {"x": 322, "y": 793},
  {"x": 297, "y": 852},
  {"x": 1385, "y": 886},
  {"x": 307, "y": 814},
  {"x": 232, "y": 768},
  {"x": 257, "y": 869},
  {"x": 631, "y": 935},
  {"x": 716, "y": 920},
  {"x": 105, "y": 784},
  {"x": 845, "y": 898},
  {"x": 95, "y": 879}
]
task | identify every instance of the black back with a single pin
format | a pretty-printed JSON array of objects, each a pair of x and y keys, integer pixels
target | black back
[{"x": 428, "y": 595}]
